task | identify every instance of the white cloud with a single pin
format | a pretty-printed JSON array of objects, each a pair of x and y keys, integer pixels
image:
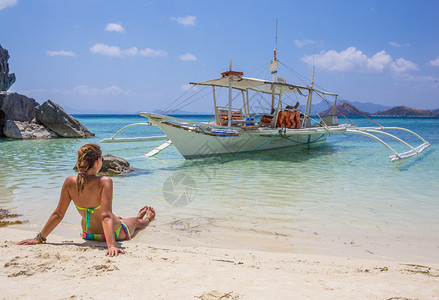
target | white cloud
[
  {"x": 188, "y": 57},
  {"x": 80, "y": 90},
  {"x": 61, "y": 53},
  {"x": 7, "y": 3},
  {"x": 302, "y": 43},
  {"x": 152, "y": 53},
  {"x": 108, "y": 50},
  {"x": 402, "y": 65},
  {"x": 186, "y": 21},
  {"x": 105, "y": 50},
  {"x": 353, "y": 59},
  {"x": 148, "y": 52},
  {"x": 378, "y": 62},
  {"x": 111, "y": 90},
  {"x": 435, "y": 62},
  {"x": 397, "y": 45},
  {"x": 114, "y": 27}
]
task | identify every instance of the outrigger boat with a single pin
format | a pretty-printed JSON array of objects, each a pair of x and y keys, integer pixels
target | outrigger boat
[{"x": 236, "y": 130}]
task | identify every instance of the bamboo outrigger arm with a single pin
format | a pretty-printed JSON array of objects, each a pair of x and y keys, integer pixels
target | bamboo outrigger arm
[
  {"x": 413, "y": 151},
  {"x": 113, "y": 139}
]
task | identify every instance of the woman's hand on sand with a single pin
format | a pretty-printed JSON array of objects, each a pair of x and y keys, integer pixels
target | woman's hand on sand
[
  {"x": 28, "y": 242},
  {"x": 114, "y": 251},
  {"x": 150, "y": 213}
]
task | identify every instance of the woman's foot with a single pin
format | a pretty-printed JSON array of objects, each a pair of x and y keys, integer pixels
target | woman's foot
[
  {"x": 150, "y": 213},
  {"x": 142, "y": 212}
]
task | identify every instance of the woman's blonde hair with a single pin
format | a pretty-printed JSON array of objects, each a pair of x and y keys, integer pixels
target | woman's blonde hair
[{"x": 88, "y": 154}]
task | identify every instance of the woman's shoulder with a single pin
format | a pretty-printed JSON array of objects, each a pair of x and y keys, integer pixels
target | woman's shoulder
[
  {"x": 70, "y": 180},
  {"x": 105, "y": 180}
]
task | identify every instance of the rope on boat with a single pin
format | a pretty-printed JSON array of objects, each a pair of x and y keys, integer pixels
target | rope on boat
[
  {"x": 244, "y": 154},
  {"x": 283, "y": 135}
]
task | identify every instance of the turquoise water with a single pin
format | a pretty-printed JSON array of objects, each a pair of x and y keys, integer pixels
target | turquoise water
[{"x": 342, "y": 197}]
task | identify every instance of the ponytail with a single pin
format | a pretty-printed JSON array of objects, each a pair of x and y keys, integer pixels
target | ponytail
[{"x": 87, "y": 156}]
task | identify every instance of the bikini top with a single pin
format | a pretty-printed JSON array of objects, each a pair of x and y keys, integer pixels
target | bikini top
[{"x": 88, "y": 211}]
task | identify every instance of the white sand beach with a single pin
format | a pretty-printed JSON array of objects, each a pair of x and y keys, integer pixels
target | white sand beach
[{"x": 78, "y": 269}]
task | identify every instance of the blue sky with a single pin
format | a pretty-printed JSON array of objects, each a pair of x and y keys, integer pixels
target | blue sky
[{"x": 136, "y": 55}]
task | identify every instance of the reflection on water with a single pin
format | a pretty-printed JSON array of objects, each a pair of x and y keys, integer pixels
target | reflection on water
[{"x": 342, "y": 190}]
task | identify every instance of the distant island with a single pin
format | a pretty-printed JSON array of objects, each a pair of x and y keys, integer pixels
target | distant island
[
  {"x": 404, "y": 111},
  {"x": 345, "y": 109},
  {"x": 348, "y": 109}
]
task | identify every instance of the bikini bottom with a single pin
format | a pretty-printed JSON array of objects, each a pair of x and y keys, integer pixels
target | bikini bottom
[{"x": 101, "y": 236}]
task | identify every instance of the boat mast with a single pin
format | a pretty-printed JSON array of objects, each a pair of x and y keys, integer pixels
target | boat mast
[
  {"x": 274, "y": 66},
  {"x": 229, "y": 118},
  {"x": 309, "y": 100},
  {"x": 274, "y": 63}
]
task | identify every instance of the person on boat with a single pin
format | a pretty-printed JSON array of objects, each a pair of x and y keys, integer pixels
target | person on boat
[{"x": 93, "y": 197}]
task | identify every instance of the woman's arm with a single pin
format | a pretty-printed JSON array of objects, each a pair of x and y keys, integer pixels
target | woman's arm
[
  {"x": 107, "y": 217},
  {"x": 54, "y": 219}
]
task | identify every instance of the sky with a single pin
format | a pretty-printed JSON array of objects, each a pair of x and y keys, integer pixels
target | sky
[{"x": 96, "y": 56}]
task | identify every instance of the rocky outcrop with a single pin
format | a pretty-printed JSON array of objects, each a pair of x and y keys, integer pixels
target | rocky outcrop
[
  {"x": 6, "y": 79},
  {"x": 55, "y": 118},
  {"x": 343, "y": 108},
  {"x": 22, "y": 117},
  {"x": 114, "y": 165},
  {"x": 404, "y": 111},
  {"x": 26, "y": 130},
  {"x": 17, "y": 107}
]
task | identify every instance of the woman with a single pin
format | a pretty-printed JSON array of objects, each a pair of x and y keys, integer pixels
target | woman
[{"x": 92, "y": 196}]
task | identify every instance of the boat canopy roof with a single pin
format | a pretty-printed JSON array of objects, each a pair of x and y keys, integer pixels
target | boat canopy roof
[{"x": 259, "y": 85}]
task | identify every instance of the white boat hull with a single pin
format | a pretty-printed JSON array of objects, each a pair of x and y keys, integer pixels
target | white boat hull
[{"x": 193, "y": 144}]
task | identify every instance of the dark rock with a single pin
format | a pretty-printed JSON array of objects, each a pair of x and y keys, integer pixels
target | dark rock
[
  {"x": 17, "y": 107},
  {"x": 114, "y": 165},
  {"x": 2, "y": 123},
  {"x": 6, "y": 79},
  {"x": 26, "y": 130},
  {"x": 59, "y": 121}
]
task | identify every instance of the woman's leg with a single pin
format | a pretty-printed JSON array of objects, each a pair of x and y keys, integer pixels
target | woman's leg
[{"x": 137, "y": 223}]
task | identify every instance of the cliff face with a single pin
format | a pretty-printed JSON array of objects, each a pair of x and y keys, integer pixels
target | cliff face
[
  {"x": 6, "y": 79},
  {"x": 345, "y": 109},
  {"x": 404, "y": 111}
]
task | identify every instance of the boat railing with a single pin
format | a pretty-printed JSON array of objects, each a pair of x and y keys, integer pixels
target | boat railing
[{"x": 238, "y": 117}]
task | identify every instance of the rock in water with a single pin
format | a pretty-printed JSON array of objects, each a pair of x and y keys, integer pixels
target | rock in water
[
  {"x": 114, "y": 165},
  {"x": 6, "y": 79},
  {"x": 26, "y": 130},
  {"x": 17, "y": 107},
  {"x": 59, "y": 121}
]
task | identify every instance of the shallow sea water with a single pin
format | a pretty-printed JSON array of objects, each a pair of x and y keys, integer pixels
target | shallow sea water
[{"x": 342, "y": 197}]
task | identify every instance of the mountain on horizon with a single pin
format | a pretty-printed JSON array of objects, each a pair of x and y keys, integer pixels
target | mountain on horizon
[
  {"x": 404, "y": 111},
  {"x": 366, "y": 107},
  {"x": 343, "y": 109}
]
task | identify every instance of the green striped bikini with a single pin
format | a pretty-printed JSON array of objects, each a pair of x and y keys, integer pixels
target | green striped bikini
[{"x": 99, "y": 236}]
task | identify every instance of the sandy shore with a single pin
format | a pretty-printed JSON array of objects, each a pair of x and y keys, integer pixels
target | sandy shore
[{"x": 78, "y": 269}]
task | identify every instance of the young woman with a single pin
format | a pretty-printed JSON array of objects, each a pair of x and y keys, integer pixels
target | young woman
[{"x": 92, "y": 196}]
